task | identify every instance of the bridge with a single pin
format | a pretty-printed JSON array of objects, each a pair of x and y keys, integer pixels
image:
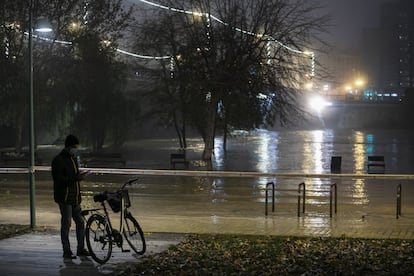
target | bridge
[{"x": 362, "y": 114}]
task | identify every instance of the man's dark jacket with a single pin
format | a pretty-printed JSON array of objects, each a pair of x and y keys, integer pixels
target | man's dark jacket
[{"x": 65, "y": 178}]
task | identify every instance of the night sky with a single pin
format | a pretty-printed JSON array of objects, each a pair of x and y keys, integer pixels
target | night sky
[{"x": 349, "y": 18}]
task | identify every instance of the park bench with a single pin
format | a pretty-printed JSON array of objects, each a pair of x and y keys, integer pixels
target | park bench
[
  {"x": 178, "y": 158},
  {"x": 92, "y": 159},
  {"x": 376, "y": 164},
  {"x": 18, "y": 158}
]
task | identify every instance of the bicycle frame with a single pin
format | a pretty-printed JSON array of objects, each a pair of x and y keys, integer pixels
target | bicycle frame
[
  {"x": 129, "y": 227},
  {"x": 123, "y": 211}
]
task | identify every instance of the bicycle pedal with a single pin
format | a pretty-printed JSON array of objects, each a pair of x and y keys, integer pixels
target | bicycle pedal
[{"x": 126, "y": 250}]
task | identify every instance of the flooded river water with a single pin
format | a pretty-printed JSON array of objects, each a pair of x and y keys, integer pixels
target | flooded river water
[{"x": 301, "y": 152}]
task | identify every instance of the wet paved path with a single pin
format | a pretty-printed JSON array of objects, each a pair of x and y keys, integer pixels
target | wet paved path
[{"x": 40, "y": 253}]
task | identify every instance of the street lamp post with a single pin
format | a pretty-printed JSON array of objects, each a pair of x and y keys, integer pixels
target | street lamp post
[
  {"x": 31, "y": 121},
  {"x": 46, "y": 28}
]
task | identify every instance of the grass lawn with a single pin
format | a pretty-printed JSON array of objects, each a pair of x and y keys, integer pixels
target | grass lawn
[
  {"x": 268, "y": 255},
  {"x": 10, "y": 230},
  {"x": 274, "y": 255}
]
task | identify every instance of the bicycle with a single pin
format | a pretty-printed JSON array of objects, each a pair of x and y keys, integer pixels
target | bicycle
[{"x": 101, "y": 236}]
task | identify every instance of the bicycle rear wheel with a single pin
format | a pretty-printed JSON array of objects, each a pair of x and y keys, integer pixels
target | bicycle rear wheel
[
  {"x": 134, "y": 234},
  {"x": 98, "y": 238}
]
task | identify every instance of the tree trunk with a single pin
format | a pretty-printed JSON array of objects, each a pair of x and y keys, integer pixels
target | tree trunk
[
  {"x": 180, "y": 138},
  {"x": 225, "y": 136},
  {"x": 19, "y": 131},
  {"x": 210, "y": 131},
  {"x": 184, "y": 135}
]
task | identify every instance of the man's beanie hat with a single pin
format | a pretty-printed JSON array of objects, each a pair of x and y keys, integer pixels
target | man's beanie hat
[{"x": 71, "y": 140}]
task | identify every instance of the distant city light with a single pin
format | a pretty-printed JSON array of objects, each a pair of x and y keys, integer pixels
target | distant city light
[
  {"x": 309, "y": 85},
  {"x": 318, "y": 103},
  {"x": 359, "y": 82},
  {"x": 348, "y": 87}
]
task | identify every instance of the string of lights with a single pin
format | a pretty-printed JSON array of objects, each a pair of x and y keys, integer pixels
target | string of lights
[
  {"x": 208, "y": 16},
  {"x": 49, "y": 39},
  {"x": 141, "y": 56},
  {"x": 63, "y": 42}
]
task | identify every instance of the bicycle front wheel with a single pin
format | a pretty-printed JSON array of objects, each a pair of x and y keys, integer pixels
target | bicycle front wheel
[
  {"x": 134, "y": 235},
  {"x": 98, "y": 238}
]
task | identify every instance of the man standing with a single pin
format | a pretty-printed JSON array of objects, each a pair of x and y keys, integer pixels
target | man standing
[{"x": 66, "y": 187}]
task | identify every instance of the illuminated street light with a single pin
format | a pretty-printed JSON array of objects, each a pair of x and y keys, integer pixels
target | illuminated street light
[
  {"x": 318, "y": 103},
  {"x": 309, "y": 85},
  {"x": 107, "y": 43},
  {"x": 74, "y": 26},
  {"x": 359, "y": 82},
  {"x": 42, "y": 25}
]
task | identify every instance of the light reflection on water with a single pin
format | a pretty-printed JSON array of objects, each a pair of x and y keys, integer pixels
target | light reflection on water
[
  {"x": 267, "y": 151},
  {"x": 359, "y": 151},
  {"x": 311, "y": 152},
  {"x": 264, "y": 151},
  {"x": 216, "y": 199}
]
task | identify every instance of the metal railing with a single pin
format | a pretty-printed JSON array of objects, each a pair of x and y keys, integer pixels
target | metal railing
[{"x": 333, "y": 198}]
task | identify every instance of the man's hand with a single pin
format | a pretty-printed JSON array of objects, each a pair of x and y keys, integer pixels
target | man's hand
[{"x": 81, "y": 175}]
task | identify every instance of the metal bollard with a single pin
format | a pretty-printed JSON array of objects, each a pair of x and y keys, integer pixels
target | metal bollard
[
  {"x": 273, "y": 197},
  {"x": 335, "y": 199},
  {"x": 399, "y": 194},
  {"x": 301, "y": 187}
]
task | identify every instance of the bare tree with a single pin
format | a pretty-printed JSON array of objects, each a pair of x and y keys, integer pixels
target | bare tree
[
  {"x": 239, "y": 63},
  {"x": 61, "y": 68}
]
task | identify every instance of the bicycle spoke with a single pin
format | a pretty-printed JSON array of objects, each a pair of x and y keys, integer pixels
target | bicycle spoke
[
  {"x": 97, "y": 239},
  {"x": 134, "y": 235}
]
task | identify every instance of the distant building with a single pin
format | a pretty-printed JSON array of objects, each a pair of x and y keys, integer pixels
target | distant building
[
  {"x": 344, "y": 67},
  {"x": 388, "y": 52}
]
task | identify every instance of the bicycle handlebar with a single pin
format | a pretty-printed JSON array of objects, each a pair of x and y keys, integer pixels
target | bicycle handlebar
[{"x": 129, "y": 182}]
